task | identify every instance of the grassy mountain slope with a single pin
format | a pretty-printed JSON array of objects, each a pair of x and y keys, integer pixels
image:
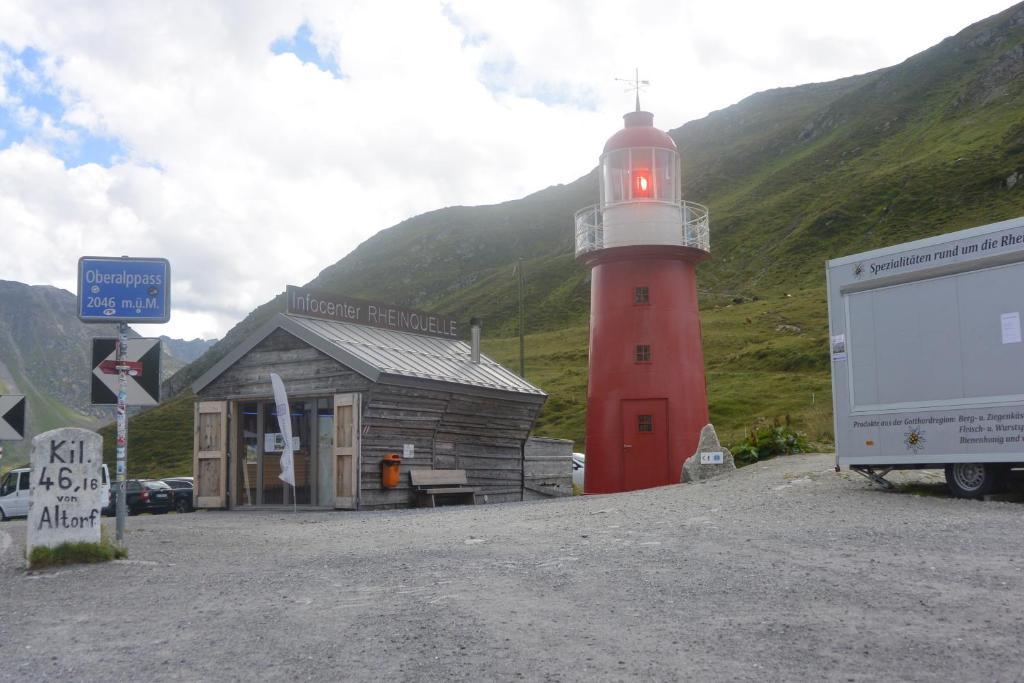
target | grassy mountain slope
[
  {"x": 792, "y": 176},
  {"x": 914, "y": 150},
  {"x": 159, "y": 440}
]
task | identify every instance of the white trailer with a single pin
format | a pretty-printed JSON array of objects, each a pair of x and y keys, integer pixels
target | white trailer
[{"x": 928, "y": 359}]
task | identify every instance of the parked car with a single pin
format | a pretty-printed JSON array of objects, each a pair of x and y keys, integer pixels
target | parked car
[
  {"x": 183, "y": 492},
  {"x": 578, "y": 461},
  {"x": 143, "y": 495},
  {"x": 110, "y": 508},
  {"x": 14, "y": 490}
]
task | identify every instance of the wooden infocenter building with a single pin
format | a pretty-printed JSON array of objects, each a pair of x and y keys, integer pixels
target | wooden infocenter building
[{"x": 364, "y": 380}]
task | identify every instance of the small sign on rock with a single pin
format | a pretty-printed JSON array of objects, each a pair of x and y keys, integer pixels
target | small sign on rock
[{"x": 66, "y": 488}]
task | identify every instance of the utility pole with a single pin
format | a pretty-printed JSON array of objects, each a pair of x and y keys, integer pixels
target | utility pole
[{"x": 522, "y": 319}]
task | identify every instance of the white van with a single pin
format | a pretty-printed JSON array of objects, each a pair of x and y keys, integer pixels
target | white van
[{"x": 14, "y": 492}]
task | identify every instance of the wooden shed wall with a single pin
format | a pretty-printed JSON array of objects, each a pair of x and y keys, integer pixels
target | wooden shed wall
[
  {"x": 449, "y": 430},
  {"x": 547, "y": 468},
  {"x": 303, "y": 369}
]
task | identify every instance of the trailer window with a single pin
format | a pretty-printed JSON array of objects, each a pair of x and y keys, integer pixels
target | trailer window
[{"x": 936, "y": 340}]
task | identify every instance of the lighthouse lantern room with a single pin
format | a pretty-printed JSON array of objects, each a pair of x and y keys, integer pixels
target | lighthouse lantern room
[{"x": 646, "y": 399}]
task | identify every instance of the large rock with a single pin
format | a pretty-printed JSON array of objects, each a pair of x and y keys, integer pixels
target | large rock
[{"x": 717, "y": 459}]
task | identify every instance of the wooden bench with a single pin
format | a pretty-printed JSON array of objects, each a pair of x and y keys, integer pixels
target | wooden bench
[{"x": 448, "y": 485}]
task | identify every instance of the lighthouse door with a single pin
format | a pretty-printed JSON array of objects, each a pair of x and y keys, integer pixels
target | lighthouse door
[{"x": 644, "y": 443}]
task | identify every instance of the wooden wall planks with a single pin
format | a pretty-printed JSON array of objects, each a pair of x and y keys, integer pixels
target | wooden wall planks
[
  {"x": 448, "y": 430},
  {"x": 547, "y": 468},
  {"x": 304, "y": 370}
]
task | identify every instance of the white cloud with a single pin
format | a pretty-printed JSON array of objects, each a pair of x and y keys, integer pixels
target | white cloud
[{"x": 251, "y": 170}]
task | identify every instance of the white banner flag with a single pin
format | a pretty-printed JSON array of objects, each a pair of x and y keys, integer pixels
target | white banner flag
[{"x": 284, "y": 421}]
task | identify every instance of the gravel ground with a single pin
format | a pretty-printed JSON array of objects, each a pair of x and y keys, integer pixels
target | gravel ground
[{"x": 786, "y": 570}]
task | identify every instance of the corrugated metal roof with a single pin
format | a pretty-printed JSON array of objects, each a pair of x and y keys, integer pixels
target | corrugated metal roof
[
  {"x": 373, "y": 352},
  {"x": 416, "y": 355}
]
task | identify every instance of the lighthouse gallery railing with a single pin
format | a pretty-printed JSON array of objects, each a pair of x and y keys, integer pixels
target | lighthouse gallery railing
[{"x": 692, "y": 230}]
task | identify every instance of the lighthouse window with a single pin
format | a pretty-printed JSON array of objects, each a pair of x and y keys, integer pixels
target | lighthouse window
[
  {"x": 643, "y": 353},
  {"x": 616, "y": 177},
  {"x": 645, "y": 423},
  {"x": 641, "y": 296},
  {"x": 666, "y": 163}
]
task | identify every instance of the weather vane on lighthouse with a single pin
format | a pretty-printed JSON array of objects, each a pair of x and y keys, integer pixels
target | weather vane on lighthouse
[{"x": 635, "y": 84}]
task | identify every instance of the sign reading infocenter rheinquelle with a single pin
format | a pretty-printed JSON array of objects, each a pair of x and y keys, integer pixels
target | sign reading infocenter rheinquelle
[
  {"x": 312, "y": 303},
  {"x": 124, "y": 289}
]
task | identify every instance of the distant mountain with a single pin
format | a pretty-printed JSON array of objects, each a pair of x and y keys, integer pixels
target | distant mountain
[
  {"x": 46, "y": 354},
  {"x": 44, "y": 346},
  {"x": 792, "y": 176},
  {"x": 186, "y": 351}
]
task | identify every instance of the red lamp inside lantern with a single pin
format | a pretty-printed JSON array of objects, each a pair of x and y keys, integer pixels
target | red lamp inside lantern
[{"x": 642, "y": 183}]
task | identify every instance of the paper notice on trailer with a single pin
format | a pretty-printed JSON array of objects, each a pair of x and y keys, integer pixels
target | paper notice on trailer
[{"x": 1011, "y": 327}]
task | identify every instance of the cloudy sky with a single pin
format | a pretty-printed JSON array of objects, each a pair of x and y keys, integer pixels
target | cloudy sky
[{"x": 255, "y": 143}]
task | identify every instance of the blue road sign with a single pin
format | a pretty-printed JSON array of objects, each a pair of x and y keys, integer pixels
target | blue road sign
[{"x": 112, "y": 289}]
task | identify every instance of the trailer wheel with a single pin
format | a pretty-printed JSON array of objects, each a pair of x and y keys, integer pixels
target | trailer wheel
[{"x": 972, "y": 479}]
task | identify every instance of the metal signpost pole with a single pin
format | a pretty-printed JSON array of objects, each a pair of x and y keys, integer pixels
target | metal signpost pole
[
  {"x": 123, "y": 290},
  {"x": 122, "y": 428}
]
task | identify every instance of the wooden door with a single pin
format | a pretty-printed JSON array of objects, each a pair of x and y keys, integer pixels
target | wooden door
[
  {"x": 346, "y": 450},
  {"x": 644, "y": 443},
  {"x": 209, "y": 464}
]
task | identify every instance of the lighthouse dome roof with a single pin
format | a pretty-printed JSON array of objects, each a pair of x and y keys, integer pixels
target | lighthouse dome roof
[{"x": 639, "y": 131}]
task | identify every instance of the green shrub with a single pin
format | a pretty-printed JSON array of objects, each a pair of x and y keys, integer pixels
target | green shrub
[
  {"x": 768, "y": 439},
  {"x": 76, "y": 553}
]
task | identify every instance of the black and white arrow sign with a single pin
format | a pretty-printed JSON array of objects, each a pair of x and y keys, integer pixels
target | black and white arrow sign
[
  {"x": 12, "y": 418},
  {"x": 143, "y": 377}
]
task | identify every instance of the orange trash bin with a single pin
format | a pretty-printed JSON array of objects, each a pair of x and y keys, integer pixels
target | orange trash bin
[{"x": 390, "y": 470}]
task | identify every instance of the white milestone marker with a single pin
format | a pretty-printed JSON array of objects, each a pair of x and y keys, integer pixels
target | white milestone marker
[{"x": 65, "y": 493}]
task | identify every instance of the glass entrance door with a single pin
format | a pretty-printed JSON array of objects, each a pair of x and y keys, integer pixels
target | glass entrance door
[
  {"x": 274, "y": 490},
  {"x": 247, "y": 465},
  {"x": 260, "y": 444}
]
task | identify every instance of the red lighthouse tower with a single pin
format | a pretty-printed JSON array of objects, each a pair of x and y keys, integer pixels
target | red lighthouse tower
[{"x": 646, "y": 401}]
